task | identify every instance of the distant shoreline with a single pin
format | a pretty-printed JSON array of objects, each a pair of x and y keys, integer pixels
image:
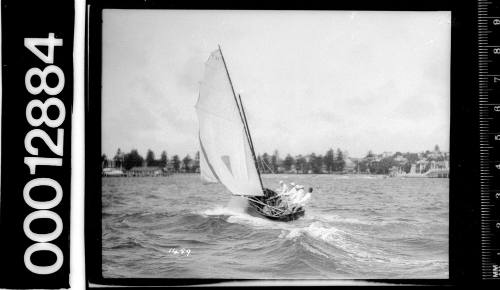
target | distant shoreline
[{"x": 262, "y": 174}]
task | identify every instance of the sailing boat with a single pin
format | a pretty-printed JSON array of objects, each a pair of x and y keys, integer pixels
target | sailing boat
[{"x": 227, "y": 154}]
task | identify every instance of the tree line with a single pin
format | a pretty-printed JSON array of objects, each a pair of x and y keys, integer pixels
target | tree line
[
  {"x": 134, "y": 159},
  {"x": 330, "y": 162},
  {"x": 268, "y": 163}
]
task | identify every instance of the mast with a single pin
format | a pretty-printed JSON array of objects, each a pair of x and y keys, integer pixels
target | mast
[
  {"x": 247, "y": 129},
  {"x": 249, "y": 136},
  {"x": 243, "y": 119}
]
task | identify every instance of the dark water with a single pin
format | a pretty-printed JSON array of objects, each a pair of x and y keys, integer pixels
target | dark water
[{"x": 354, "y": 227}]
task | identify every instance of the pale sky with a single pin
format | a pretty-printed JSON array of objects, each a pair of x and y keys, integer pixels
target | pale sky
[{"x": 310, "y": 80}]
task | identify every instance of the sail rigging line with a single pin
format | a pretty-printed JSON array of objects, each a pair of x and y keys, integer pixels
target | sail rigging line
[
  {"x": 215, "y": 115},
  {"x": 241, "y": 116},
  {"x": 247, "y": 128},
  {"x": 259, "y": 202},
  {"x": 262, "y": 164},
  {"x": 268, "y": 167},
  {"x": 250, "y": 140}
]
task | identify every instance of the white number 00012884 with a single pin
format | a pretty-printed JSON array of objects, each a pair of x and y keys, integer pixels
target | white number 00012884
[{"x": 43, "y": 208}]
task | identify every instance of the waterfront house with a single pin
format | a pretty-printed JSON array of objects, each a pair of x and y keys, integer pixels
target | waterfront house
[
  {"x": 145, "y": 171},
  {"x": 170, "y": 167},
  {"x": 400, "y": 159},
  {"x": 349, "y": 165}
]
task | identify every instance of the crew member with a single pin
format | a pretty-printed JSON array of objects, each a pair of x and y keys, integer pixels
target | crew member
[{"x": 300, "y": 198}]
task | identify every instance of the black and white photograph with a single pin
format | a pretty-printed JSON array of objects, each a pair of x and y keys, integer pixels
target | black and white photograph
[{"x": 248, "y": 144}]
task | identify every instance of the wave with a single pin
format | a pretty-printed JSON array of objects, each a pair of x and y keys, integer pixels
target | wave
[
  {"x": 309, "y": 245},
  {"x": 316, "y": 230},
  {"x": 368, "y": 221},
  {"x": 314, "y": 225},
  {"x": 127, "y": 244},
  {"x": 289, "y": 230},
  {"x": 138, "y": 215},
  {"x": 335, "y": 239},
  {"x": 348, "y": 248},
  {"x": 328, "y": 238},
  {"x": 236, "y": 212}
]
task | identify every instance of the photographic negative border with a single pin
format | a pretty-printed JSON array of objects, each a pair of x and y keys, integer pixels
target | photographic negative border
[
  {"x": 37, "y": 43},
  {"x": 464, "y": 243}
]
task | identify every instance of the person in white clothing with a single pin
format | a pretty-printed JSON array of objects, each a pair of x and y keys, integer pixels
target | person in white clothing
[
  {"x": 295, "y": 197},
  {"x": 300, "y": 198},
  {"x": 292, "y": 191},
  {"x": 296, "y": 194},
  {"x": 283, "y": 190},
  {"x": 286, "y": 194},
  {"x": 305, "y": 197}
]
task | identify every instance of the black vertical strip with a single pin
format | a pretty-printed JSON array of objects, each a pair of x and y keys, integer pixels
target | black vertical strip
[
  {"x": 21, "y": 21},
  {"x": 93, "y": 169},
  {"x": 464, "y": 198}
]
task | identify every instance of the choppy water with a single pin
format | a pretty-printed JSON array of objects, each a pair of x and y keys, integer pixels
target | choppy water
[{"x": 354, "y": 227}]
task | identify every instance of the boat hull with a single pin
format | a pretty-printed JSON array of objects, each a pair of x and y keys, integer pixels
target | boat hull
[{"x": 259, "y": 208}]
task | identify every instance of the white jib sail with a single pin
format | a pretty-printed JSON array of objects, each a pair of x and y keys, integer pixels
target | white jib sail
[{"x": 225, "y": 153}]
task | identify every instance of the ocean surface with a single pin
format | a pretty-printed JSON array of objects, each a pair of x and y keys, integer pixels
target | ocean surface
[{"x": 354, "y": 227}]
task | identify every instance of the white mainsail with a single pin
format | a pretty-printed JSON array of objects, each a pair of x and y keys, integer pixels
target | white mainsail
[{"x": 225, "y": 153}]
